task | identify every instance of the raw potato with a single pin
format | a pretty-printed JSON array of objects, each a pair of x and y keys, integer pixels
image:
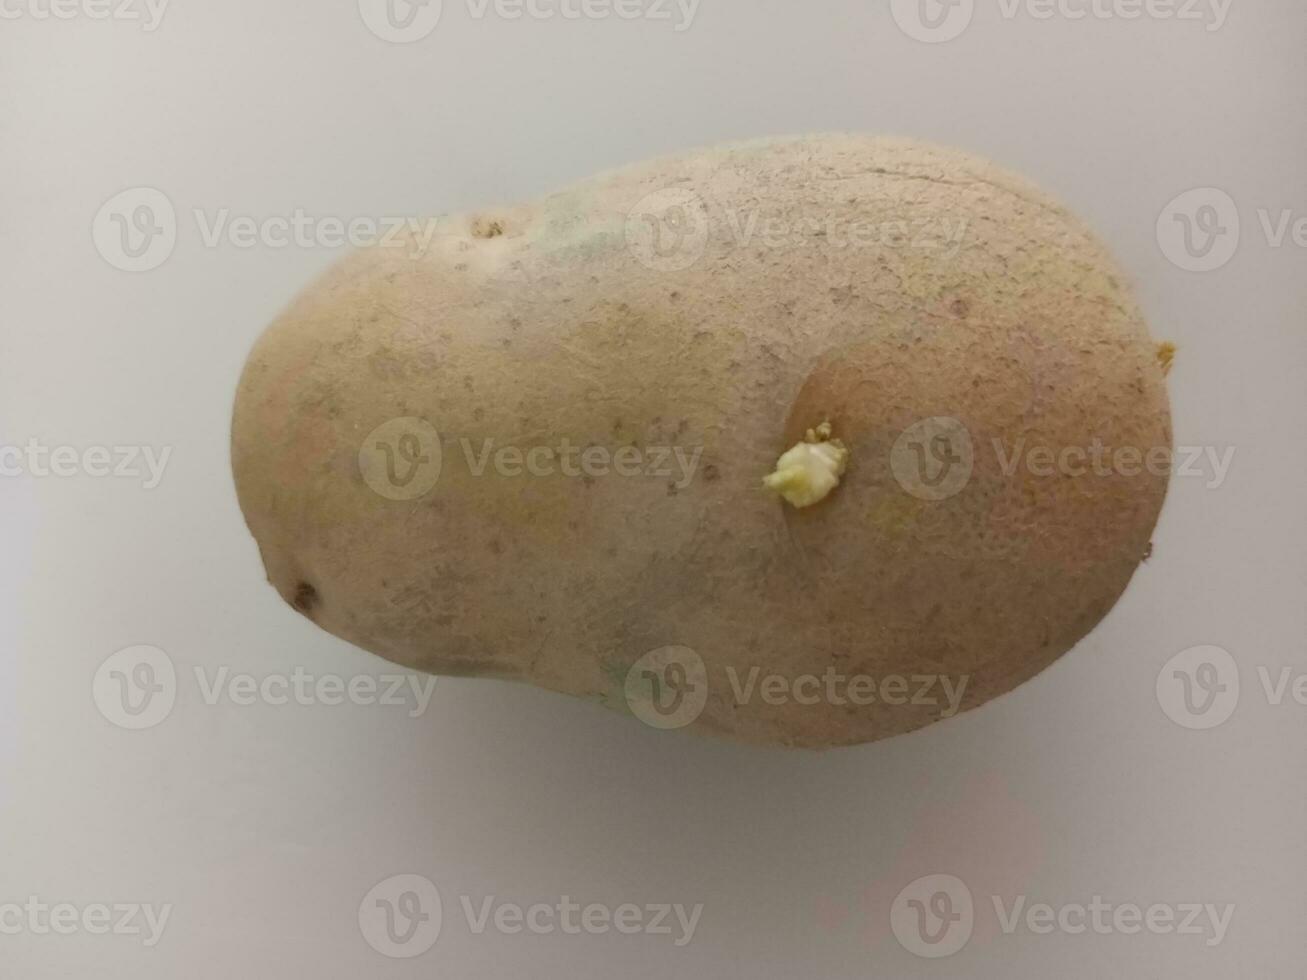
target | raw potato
[{"x": 949, "y": 321}]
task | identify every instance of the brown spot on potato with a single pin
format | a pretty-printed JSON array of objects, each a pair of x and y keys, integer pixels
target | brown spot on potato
[
  {"x": 487, "y": 228},
  {"x": 305, "y": 598}
]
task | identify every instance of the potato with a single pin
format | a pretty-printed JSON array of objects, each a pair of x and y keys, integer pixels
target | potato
[{"x": 535, "y": 446}]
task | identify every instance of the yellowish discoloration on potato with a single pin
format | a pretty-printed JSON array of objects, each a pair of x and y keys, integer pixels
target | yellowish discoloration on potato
[
  {"x": 681, "y": 321},
  {"x": 1166, "y": 356},
  {"x": 808, "y": 472}
]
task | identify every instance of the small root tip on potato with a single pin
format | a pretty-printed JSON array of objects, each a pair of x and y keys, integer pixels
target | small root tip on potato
[{"x": 1166, "y": 356}]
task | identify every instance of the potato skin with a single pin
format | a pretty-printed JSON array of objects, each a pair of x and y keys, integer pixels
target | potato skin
[{"x": 781, "y": 294}]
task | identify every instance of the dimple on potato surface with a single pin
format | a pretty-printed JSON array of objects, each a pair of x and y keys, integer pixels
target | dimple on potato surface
[{"x": 686, "y": 321}]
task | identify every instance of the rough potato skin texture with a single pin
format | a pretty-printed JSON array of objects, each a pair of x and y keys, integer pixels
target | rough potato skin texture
[{"x": 535, "y": 324}]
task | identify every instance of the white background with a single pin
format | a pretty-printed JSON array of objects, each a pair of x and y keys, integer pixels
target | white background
[{"x": 265, "y": 826}]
